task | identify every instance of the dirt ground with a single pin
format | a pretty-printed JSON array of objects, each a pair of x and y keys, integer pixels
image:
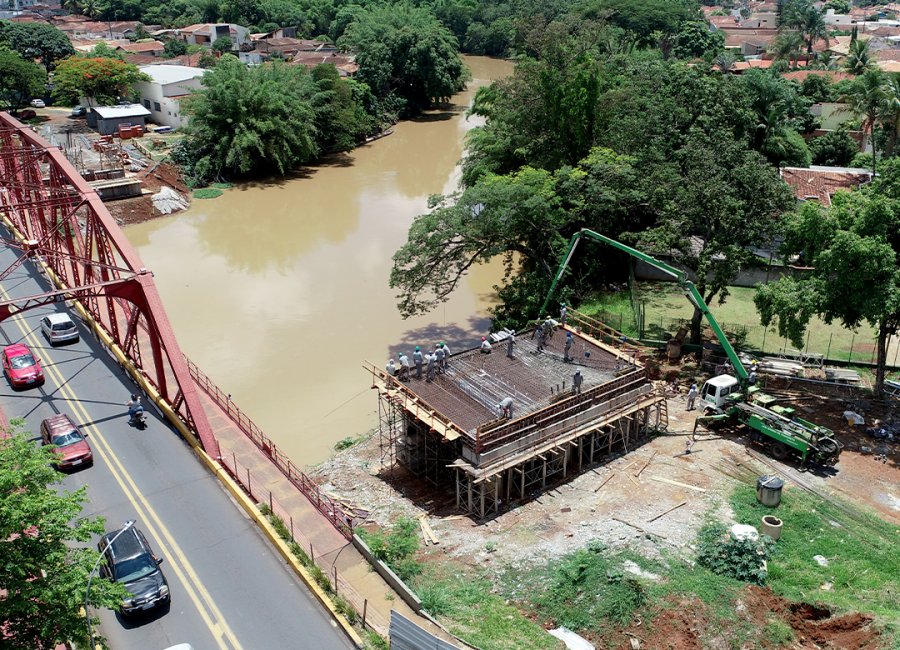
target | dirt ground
[
  {"x": 140, "y": 209},
  {"x": 623, "y": 503}
]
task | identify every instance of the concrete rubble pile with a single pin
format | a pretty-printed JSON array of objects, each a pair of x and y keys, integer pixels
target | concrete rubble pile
[{"x": 167, "y": 201}]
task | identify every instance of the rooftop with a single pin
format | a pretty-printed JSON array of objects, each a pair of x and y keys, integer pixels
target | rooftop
[
  {"x": 128, "y": 110},
  {"x": 819, "y": 184},
  {"x": 169, "y": 74}
]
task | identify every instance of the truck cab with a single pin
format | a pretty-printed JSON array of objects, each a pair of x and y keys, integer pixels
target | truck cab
[{"x": 719, "y": 391}]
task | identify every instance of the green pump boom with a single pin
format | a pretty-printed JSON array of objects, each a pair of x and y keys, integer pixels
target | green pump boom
[{"x": 690, "y": 290}]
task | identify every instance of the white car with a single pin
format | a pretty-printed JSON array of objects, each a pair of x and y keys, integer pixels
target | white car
[
  {"x": 38, "y": 103},
  {"x": 59, "y": 328}
]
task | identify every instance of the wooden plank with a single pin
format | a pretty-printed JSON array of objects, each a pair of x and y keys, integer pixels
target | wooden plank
[
  {"x": 667, "y": 512},
  {"x": 631, "y": 478},
  {"x": 671, "y": 482},
  {"x": 640, "y": 528},
  {"x": 650, "y": 460},
  {"x": 424, "y": 532},
  {"x": 607, "y": 480},
  {"x": 426, "y": 528}
]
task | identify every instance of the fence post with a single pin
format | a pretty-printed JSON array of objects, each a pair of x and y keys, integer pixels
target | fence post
[
  {"x": 249, "y": 489},
  {"x": 852, "y": 339},
  {"x": 365, "y": 608},
  {"x": 828, "y": 351},
  {"x": 271, "y": 507},
  {"x": 807, "y": 341},
  {"x": 765, "y": 331},
  {"x": 335, "y": 580},
  {"x": 312, "y": 555},
  {"x": 291, "y": 519}
]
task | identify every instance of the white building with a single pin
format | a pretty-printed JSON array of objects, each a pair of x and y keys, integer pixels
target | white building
[{"x": 168, "y": 84}]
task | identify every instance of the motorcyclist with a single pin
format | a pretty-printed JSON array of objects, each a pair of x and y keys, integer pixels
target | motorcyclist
[{"x": 135, "y": 410}]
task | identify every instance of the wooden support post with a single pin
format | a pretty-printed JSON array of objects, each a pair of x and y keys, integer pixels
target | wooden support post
[{"x": 580, "y": 453}]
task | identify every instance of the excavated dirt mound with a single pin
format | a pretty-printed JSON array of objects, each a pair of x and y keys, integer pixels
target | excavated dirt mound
[{"x": 682, "y": 626}]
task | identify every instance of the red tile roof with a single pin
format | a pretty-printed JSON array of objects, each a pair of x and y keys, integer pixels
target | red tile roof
[
  {"x": 834, "y": 75},
  {"x": 822, "y": 183},
  {"x": 142, "y": 48}
]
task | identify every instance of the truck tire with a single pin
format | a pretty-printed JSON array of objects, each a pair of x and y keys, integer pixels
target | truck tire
[{"x": 780, "y": 450}]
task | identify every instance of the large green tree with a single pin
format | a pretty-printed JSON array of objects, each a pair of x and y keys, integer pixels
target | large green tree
[
  {"x": 252, "y": 120},
  {"x": 101, "y": 80},
  {"x": 407, "y": 52},
  {"x": 36, "y": 41},
  {"x": 44, "y": 566},
  {"x": 20, "y": 80},
  {"x": 853, "y": 248}
]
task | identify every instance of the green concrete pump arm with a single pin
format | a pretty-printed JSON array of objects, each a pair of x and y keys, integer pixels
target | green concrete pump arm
[{"x": 690, "y": 290}]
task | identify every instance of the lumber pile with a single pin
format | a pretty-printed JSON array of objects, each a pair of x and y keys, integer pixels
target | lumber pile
[
  {"x": 781, "y": 367},
  {"x": 842, "y": 375}
]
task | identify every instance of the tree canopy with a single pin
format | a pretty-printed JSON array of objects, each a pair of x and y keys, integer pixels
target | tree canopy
[
  {"x": 853, "y": 247},
  {"x": 20, "y": 80},
  {"x": 45, "y": 564},
  {"x": 405, "y": 51},
  {"x": 36, "y": 41},
  {"x": 102, "y": 80}
]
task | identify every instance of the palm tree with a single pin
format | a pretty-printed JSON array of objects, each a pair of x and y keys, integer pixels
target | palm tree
[
  {"x": 858, "y": 57},
  {"x": 890, "y": 117},
  {"x": 867, "y": 99},
  {"x": 90, "y": 8},
  {"x": 725, "y": 61},
  {"x": 787, "y": 47},
  {"x": 802, "y": 16},
  {"x": 73, "y": 6}
]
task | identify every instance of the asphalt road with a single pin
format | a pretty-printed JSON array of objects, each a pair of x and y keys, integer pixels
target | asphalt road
[{"x": 229, "y": 588}]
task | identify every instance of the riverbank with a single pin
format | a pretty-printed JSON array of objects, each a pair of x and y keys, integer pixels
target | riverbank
[{"x": 153, "y": 178}]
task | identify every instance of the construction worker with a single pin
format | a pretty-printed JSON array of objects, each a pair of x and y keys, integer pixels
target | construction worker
[
  {"x": 691, "y": 396},
  {"x": 418, "y": 359},
  {"x": 569, "y": 340},
  {"x": 563, "y": 310},
  {"x": 391, "y": 368},
  {"x": 404, "y": 367},
  {"x": 446, "y": 350},
  {"x": 506, "y": 408},
  {"x": 577, "y": 380},
  {"x": 485, "y": 345},
  {"x": 548, "y": 328},
  {"x": 541, "y": 339},
  {"x": 431, "y": 360},
  {"x": 510, "y": 342},
  {"x": 438, "y": 355}
]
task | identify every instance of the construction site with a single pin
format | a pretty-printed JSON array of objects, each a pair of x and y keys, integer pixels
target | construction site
[{"x": 450, "y": 433}]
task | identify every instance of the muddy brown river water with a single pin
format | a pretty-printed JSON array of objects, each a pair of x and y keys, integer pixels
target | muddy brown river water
[{"x": 279, "y": 290}]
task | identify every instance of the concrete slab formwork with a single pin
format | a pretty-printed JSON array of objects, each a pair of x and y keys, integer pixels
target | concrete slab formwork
[{"x": 448, "y": 431}]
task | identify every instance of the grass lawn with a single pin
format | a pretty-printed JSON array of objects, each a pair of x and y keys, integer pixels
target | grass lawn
[{"x": 665, "y": 306}]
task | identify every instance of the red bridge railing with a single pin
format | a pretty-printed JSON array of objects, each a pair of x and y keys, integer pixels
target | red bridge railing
[{"x": 340, "y": 519}]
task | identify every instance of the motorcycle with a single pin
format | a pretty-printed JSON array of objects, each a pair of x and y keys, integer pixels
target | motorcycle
[{"x": 138, "y": 418}]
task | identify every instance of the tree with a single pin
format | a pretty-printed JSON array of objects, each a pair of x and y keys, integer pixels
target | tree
[
  {"x": 803, "y": 16},
  {"x": 787, "y": 46},
  {"x": 890, "y": 112},
  {"x": 696, "y": 39},
  {"x": 100, "y": 80},
  {"x": 853, "y": 248},
  {"x": 867, "y": 99},
  {"x": 643, "y": 17},
  {"x": 36, "y": 41},
  {"x": 342, "y": 121},
  {"x": 207, "y": 59},
  {"x": 174, "y": 48},
  {"x": 405, "y": 51},
  {"x": 20, "y": 80},
  {"x": 835, "y": 148},
  {"x": 43, "y": 573},
  {"x": 223, "y": 45},
  {"x": 251, "y": 120},
  {"x": 102, "y": 50},
  {"x": 858, "y": 59},
  {"x": 90, "y": 8},
  {"x": 777, "y": 109},
  {"x": 839, "y": 6}
]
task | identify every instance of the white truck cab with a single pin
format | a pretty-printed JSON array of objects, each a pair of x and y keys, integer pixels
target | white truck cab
[{"x": 716, "y": 391}]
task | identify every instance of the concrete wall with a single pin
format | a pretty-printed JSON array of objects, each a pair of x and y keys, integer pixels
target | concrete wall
[
  {"x": 165, "y": 109},
  {"x": 111, "y": 126}
]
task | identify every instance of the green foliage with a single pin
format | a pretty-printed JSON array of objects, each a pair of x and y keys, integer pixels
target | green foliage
[
  {"x": 174, "y": 48},
  {"x": 839, "y": 6},
  {"x": 36, "y": 41},
  {"x": 397, "y": 547},
  {"x": 588, "y": 590},
  {"x": 207, "y": 60},
  {"x": 643, "y": 17},
  {"x": 223, "y": 44},
  {"x": 835, "y": 148},
  {"x": 20, "y": 80},
  {"x": 778, "y": 633},
  {"x": 858, "y": 59},
  {"x": 45, "y": 564},
  {"x": 818, "y": 88},
  {"x": 375, "y": 641},
  {"x": 349, "y": 441},
  {"x": 207, "y": 193},
  {"x": 102, "y": 50},
  {"x": 405, "y": 51},
  {"x": 102, "y": 80},
  {"x": 695, "y": 39},
  {"x": 741, "y": 559}
]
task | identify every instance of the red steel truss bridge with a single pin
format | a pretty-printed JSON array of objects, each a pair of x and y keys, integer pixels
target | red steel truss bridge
[{"x": 57, "y": 220}]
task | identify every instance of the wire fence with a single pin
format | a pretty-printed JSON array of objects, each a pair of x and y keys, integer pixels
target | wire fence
[{"x": 330, "y": 578}]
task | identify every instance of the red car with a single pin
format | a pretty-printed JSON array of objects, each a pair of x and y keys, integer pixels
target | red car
[
  {"x": 72, "y": 448},
  {"x": 21, "y": 366}
]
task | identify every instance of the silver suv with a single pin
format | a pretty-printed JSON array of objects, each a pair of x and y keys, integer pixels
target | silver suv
[{"x": 59, "y": 328}]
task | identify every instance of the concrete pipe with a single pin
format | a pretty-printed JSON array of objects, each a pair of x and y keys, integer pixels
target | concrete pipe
[{"x": 771, "y": 526}]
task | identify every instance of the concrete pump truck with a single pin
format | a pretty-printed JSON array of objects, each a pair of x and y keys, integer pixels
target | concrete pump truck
[{"x": 726, "y": 398}]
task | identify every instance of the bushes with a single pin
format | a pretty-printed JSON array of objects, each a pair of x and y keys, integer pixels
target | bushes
[
  {"x": 396, "y": 547},
  {"x": 724, "y": 555}
]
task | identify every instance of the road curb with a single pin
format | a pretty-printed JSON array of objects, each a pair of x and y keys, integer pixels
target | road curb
[{"x": 250, "y": 507}]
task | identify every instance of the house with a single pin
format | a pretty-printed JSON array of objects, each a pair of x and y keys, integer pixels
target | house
[
  {"x": 750, "y": 42},
  {"x": 761, "y": 20},
  {"x": 209, "y": 33},
  {"x": 108, "y": 118},
  {"x": 167, "y": 86},
  {"x": 345, "y": 63},
  {"x": 821, "y": 183},
  {"x": 154, "y": 48},
  {"x": 838, "y": 20},
  {"x": 833, "y": 76}
]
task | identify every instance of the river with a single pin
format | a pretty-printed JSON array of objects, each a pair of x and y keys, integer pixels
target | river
[{"x": 279, "y": 290}]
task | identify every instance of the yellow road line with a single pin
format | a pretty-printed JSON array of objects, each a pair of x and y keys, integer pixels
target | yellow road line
[{"x": 187, "y": 576}]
